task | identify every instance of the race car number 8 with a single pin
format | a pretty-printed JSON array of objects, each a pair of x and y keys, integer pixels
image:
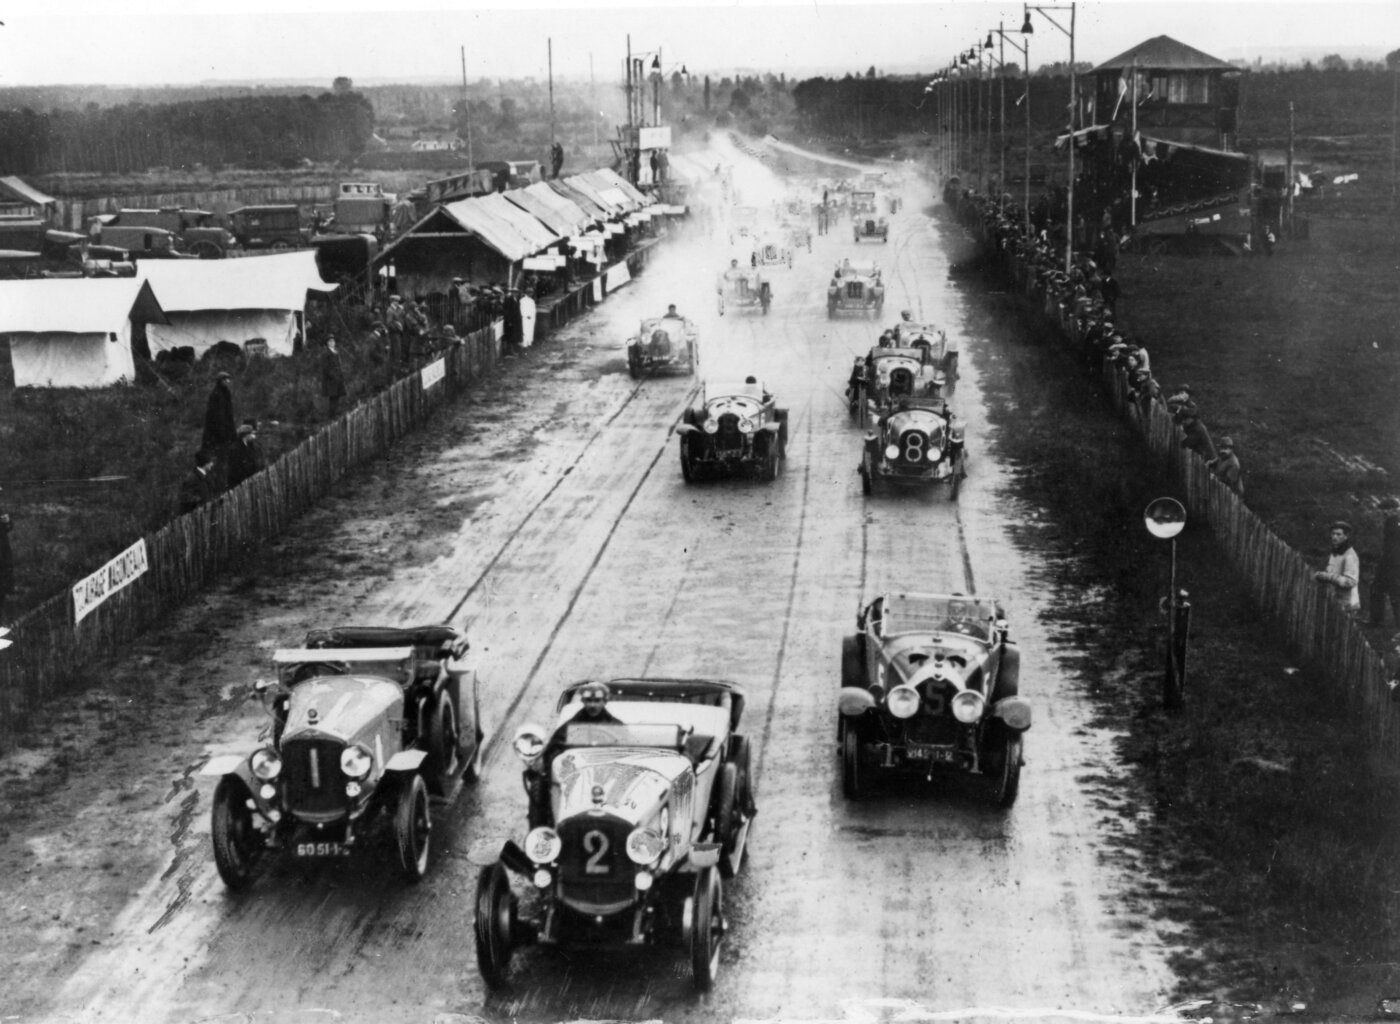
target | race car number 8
[
  {"x": 596, "y": 844},
  {"x": 913, "y": 446}
]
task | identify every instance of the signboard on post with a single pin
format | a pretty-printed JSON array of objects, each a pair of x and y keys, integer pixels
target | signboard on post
[
  {"x": 432, "y": 373},
  {"x": 656, "y": 137},
  {"x": 120, "y": 572}
]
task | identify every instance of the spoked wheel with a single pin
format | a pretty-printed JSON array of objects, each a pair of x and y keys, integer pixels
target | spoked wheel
[
  {"x": 852, "y": 776},
  {"x": 706, "y": 928},
  {"x": 687, "y": 463},
  {"x": 955, "y": 484},
  {"x": 444, "y": 761},
  {"x": 495, "y": 914},
  {"x": 867, "y": 475},
  {"x": 727, "y": 813},
  {"x": 1008, "y": 780},
  {"x": 238, "y": 845},
  {"x": 413, "y": 828}
]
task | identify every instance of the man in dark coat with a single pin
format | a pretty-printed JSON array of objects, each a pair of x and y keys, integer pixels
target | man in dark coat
[
  {"x": 332, "y": 376},
  {"x": 1387, "y": 582},
  {"x": 7, "y": 562},
  {"x": 246, "y": 456},
  {"x": 198, "y": 486},
  {"x": 220, "y": 428},
  {"x": 1197, "y": 437}
]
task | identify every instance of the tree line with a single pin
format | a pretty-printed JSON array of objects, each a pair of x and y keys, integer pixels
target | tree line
[{"x": 257, "y": 131}]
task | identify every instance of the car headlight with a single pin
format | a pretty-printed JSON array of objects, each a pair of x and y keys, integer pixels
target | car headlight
[
  {"x": 356, "y": 761},
  {"x": 542, "y": 845},
  {"x": 892, "y": 451},
  {"x": 644, "y": 846},
  {"x": 529, "y": 742},
  {"x": 745, "y": 425},
  {"x": 967, "y": 706},
  {"x": 903, "y": 701},
  {"x": 266, "y": 764},
  {"x": 711, "y": 426}
]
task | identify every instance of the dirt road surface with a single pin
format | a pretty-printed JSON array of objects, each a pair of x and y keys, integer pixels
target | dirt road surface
[{"x": 547, "y": 515}]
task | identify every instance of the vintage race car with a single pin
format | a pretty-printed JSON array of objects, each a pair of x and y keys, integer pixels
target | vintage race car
[
  {"x": 743, "y": 288},
  {"x": 733, "y": 427},
  {"x": 799, "y": 234},
  {"x": 745, "y": 223},
  {"x": 663, "y": 343},
  {"x": 770, "y": 253},
  {"x": 933, "y": 339},
  {"x": 866, "y": 223},
  {"x": 642, "y": 800},
  {"x": 855, "y": 286},
  {"x": 367, "y": 722},
  {"x": 863, "y": 205},
  {"x": 887, "y": 375},
  {"x": 919, "y": 442},
  {"x": 930, "y": 683}
]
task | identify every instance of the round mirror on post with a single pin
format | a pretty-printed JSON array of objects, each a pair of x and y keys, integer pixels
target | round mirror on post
[{"x": 1165, "y": 518}]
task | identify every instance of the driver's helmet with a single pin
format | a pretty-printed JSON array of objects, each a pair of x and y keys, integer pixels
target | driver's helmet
[{"x": 594, "y": 697}]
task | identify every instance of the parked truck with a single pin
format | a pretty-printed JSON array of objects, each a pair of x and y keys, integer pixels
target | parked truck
[
  {"x": 196, "y": 232},
  {"x": 362, "y": 208},
  {"x": 275, "y": 227}
]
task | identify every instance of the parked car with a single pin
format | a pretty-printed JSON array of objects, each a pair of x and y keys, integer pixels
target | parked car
[
  {"x": 886, "y": 375},
  {"x": 919, "y": 442},
  {"x": 642, "y": 800},
  {"x": 732, "y": 427},
  {"x": 663, "y": 343},
  {"x": 743, "y": 288},
  {"x": 855, "y": 287},
  {"x": 196, "y": 232},
  {"x": 366, "y": 723},
  {"x": 929, "y": 684}
]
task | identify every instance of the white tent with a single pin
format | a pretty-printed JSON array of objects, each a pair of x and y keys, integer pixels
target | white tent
[
  {"x": 74, "y": 332},
  {"x": 209, "y": 301}
]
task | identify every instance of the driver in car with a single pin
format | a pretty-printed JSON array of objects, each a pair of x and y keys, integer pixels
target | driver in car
[{"x": 593, "y": 700}]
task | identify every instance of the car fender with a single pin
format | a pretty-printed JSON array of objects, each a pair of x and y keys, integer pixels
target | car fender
[
  {"x": 406, "y": 761},
  {"x": 854, "y": 701},
  {"x": 1014, "y": 712},
  {"x": 228, "y": 764},
  {"x": 687, "y": 428},
  {"x": 772, "y": 427}
]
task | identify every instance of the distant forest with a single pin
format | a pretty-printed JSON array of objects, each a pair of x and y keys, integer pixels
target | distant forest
[{"x": 108, "y": 130}]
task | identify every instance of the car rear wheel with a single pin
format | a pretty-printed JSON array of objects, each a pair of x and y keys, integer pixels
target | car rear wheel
[
  {"x": 955, "y": 484},
  {"x": 413, "y": 827},
  {"x": 1007, "y": 783},
  {"x": 207, "y": 250},
  {"x": 867, "y": 474},
  {"x": 238, "y": 845},
  {"x": 726, "y": 814},
  {"x": 706, "y": 928},
  {"x": 634, "y": 364},
  {"x": 495, "y": 913},
  {"x": 444, "y": 761},
  {"x": 687, "y": 463},
  {"x": 852, "y": 773}
]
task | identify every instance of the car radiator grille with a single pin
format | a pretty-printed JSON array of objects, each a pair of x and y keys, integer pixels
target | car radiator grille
[
  {"x": 311, "y": 775},
  {"x": 594, "y": 869},
  {"x": 728, "y": 437}
]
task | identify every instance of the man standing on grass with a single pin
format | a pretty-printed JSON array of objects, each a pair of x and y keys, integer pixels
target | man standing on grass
[
  {"x": 1387, "y": 582},
  {"x": 220, "y": 430},
  {"x": 1343, "y": 572},
  {"x": 332, "y": 377}
]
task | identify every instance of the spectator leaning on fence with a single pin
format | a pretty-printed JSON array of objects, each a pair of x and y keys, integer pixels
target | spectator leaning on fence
[
  {"x": 198, "y": 486},
  {"x": 1226, "y": 465},
  {"x": 1343, "y": 572},
  {"x": 246, "y": 457},
  {"x": 1197, "y": 437}
]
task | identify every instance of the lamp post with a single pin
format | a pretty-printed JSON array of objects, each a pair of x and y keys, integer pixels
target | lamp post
[
  {"x": 1027, "y": 29},
  {"x": 1165, "y": 518},
  {"x": 1025, "y": 50}
]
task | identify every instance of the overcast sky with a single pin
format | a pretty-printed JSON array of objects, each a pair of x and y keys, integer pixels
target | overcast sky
[{"x": 185, "y": 41}]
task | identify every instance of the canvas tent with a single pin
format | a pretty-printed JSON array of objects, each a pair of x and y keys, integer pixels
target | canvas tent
[
  {"x": 209, "y": 301},
  {"x": 75, "y": 332}
]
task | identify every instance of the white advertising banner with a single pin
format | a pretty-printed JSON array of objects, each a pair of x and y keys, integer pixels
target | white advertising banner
[
  {"x": 112, "y": 577},
  {"x": 656, "y": 137},
  {"x": 432, "y": 373},
  {"x": 617, "y": 276},
  {"x": 597, "y": 289}
]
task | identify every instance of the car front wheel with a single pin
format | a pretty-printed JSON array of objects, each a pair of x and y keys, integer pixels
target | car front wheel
[
  {"x": 238, "y": 845},
  {"x": 852, "y": 773},
  {"x": 413, "y": 827},
  {"x": 444, "y": 761},
  {"x": 495, "y": 912},
  {"x": 706, "y": 928},
  {"x": 867, "y": 474},
  {"x": 1007, "y": 783}
]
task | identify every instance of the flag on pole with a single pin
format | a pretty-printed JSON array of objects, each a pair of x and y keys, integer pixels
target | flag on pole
[{"x": 1122, "y": 91}]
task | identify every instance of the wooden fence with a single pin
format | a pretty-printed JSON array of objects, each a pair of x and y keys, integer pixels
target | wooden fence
[
  {"x": 53, "y": 654},
  {"x": 1318, "y": 628}
]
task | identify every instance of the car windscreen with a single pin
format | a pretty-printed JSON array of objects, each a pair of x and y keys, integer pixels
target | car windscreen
[
  {"x": 938, "y": 614},
  {"x": 619, "y": 734}
]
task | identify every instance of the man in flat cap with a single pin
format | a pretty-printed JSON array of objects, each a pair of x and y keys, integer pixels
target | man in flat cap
[{"x": 1343, "y": 573}]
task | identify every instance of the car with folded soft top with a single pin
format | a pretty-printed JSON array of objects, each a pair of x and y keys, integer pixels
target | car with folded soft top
[
  {"x": 640, "y": 800},
  {"x": 369, "y": 726},
  {"x": 930, "y": 686},
  {"x": 733, "y": 427},
  {"x": 663, "y": 344}
]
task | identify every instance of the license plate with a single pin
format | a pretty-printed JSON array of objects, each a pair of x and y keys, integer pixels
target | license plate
[
  {"x": 935, "y": 755},
  {"x": 327, "y": 849}
]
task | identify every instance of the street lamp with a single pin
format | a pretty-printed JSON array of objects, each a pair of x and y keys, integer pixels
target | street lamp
[
  {"x": 1025, "y": 50},
  {"x": 1027, "y": 29},
  {"x": 1165, "y": 518}
]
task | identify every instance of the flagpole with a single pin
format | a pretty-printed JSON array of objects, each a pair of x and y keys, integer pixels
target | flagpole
[{"x": 1137, "y": 147}]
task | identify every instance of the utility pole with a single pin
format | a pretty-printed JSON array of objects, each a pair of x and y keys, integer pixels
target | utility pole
[
  {"x": 550, "y": 44},
  {"x": 593, "y": 99},
  {"x": 1288, "y": 171},
  {"x": 467, "y": 109}
]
